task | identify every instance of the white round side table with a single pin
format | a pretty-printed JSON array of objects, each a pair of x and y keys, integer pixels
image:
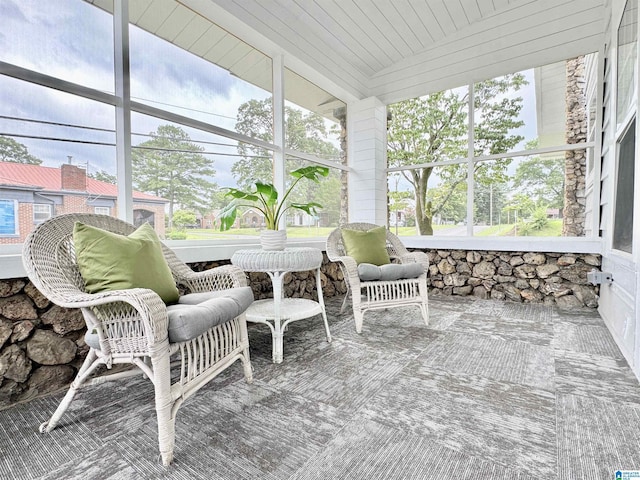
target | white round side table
[{"x": 278, "y": 312}]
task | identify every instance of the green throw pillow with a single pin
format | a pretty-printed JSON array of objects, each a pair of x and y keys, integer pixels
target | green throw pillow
[
  {"x": 109, "y": 261},
  {"x": 366, "y": 247}
]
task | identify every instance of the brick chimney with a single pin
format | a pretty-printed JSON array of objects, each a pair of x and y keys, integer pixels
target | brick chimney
[{"x": 73, "y": 178}]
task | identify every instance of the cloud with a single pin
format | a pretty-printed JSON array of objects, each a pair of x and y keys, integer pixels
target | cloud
[{"x": 73, "y": 41}]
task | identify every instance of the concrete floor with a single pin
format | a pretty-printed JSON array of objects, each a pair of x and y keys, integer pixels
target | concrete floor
[{"x": 489, "y": 390}]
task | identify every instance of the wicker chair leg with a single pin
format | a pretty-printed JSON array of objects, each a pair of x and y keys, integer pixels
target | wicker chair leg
[
  {"x": 86, "y": 369},
  {"x": 164, "y": 404},
  {"x": 246, "y": 365},
  {"x": 358, "y": 316},
  {"x": 424, "y": 309}
]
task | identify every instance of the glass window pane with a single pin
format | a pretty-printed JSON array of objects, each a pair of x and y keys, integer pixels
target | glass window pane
[
  {"x": 68, "y": 39},
  {"x": 313, "y": 118},
  {"x": 187, "y": 169},
  {"x": 427, "y": 130},
  {"x": 212, "y": 77},
  {"x": 9, "y": 219},
  {"x": 41, "y": 212},
  {"x": 528, "y": 196},
  {"x": 327, "y": 193},
  {"x": 520, "y": 196},
  {"x": 540, "y": 107},
  {"x": 627, "y": 61},
  {"x": 58, "y": 151},
  {"x": 623, "y": 221},
  {"x": 440, "y": 208}
]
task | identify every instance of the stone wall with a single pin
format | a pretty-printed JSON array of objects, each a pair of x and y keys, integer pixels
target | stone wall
[
  {"x": 42, "y": 345},
  {"x": 575, "y": 161},
  {"x": 529, "y": 277},
  {"x": 341, "y": 114}
]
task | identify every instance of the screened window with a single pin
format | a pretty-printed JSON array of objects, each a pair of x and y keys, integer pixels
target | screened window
[
  {"x": 41, "y": 212},
  {"x": 102, "y": 210},
  {"x": 623, "y": 223},
  {"x": 627, "y": 52},
  {"x": 492, "y": 157}
]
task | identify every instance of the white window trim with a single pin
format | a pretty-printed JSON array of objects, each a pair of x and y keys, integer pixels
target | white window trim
[
  {"x": 16, "y": 222},
  {"x": 49, "y": 208},
  {"x": 108, "y": 209}
]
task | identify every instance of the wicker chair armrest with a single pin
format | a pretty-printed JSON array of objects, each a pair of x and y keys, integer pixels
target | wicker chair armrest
[
  {"x": 148, "y": 306},
  {"x": 416, "y": 257},
  {"x": 218, "y": 278},
  {"x": 350, "y": 268}
]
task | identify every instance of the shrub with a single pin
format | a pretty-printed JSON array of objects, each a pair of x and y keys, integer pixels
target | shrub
[{"x": 177, "y": 235}]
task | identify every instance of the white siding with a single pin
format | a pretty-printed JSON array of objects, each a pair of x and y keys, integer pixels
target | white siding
[
  {"x": 367, "y": 129},
  {"x": 618, "y": 304}
]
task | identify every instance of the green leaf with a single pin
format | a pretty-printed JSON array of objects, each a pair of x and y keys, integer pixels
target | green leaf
[
  {"x": 311, "y": 208},
  {"x": 227, "y": 216},
  {"x": 312, "y": 172},
  {"x": 268, "y": 193},
  {"x": 240, "y": 195}
]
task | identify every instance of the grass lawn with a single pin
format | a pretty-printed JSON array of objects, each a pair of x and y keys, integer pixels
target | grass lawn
[{"x": 553, "y": 229}]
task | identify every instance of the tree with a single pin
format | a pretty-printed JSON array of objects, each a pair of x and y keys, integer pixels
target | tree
[
  {"x": 305, "y": 132},
  {"x": 16, "y": 152},
  {"x": 103, "y": 176},
  {"x": 489, "y": 200},
  {"x": 434, "y": 129},
  {"x": 171, "y": 166},
  {"x": 183, "y": 218},
  {"x": 542, "y": 179}
]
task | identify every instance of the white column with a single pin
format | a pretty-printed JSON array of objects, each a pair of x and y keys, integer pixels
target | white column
[
  {"x": 123, "y": 109},
  {"x": 278, "y": 129},
  {"x": 367, "y": 147}
]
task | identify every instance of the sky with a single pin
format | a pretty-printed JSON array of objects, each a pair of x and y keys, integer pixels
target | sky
[{"x": 81, "y": 52}]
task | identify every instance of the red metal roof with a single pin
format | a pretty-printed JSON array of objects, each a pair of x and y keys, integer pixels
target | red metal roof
[{"x": 49, "y": 179}]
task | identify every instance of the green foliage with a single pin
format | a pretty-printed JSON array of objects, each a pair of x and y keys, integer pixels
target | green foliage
[
  {"x": 540, "y": 220},
  {"x": 264, "y": 197},
  {"x": 104, "y": 176},
  {"x": 434, "y": 129},
  {"x": 177, "y": 234},
  {"x": 16, "y": 152},
  {"x": 524, "y": 229},
  {"x": 305, "y": 132},
  {"x": 183, "y": 218},
  {"x": 171, "y": 166},
  {"x": 542, "y": 179}
]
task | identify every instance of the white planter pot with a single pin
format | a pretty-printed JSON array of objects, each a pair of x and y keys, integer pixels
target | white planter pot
[{"x": 273, "y": 239}]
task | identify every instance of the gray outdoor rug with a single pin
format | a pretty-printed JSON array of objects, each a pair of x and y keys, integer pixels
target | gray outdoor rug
[{"x": 489, "y": 390}]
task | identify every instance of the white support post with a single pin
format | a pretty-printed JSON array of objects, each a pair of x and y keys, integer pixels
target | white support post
[
  {"x": 470, "y": 154},
  {"x": 123, "y": 109},
  {"x": 278, "y": 129},
  {"x": 367, "y": 147}
]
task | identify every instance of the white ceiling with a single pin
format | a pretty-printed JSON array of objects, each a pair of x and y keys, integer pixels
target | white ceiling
[
  {"x": 371, "y": 47},
  {"x": 364, "y": 46},
  {"x": 368, "y": 35}
]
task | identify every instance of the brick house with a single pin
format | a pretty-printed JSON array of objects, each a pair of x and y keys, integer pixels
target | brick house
[{"x": 30, "y": 194}]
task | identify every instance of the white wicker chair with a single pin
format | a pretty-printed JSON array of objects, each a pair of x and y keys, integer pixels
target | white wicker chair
[
  {"x": 132, "y": 325},
  {"x": 370, "y": 295}
]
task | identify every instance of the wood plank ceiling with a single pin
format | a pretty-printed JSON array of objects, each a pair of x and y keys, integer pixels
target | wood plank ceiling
[{"x": 357, "y": 44}]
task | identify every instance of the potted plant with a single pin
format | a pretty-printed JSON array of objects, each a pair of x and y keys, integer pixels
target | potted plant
[{"x": 265, "y": 199}]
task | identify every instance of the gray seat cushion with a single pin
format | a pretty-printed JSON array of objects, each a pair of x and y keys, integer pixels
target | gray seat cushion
[
  {"x": 195, "y": 313},
  {"x": 392, "y": 271}
]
